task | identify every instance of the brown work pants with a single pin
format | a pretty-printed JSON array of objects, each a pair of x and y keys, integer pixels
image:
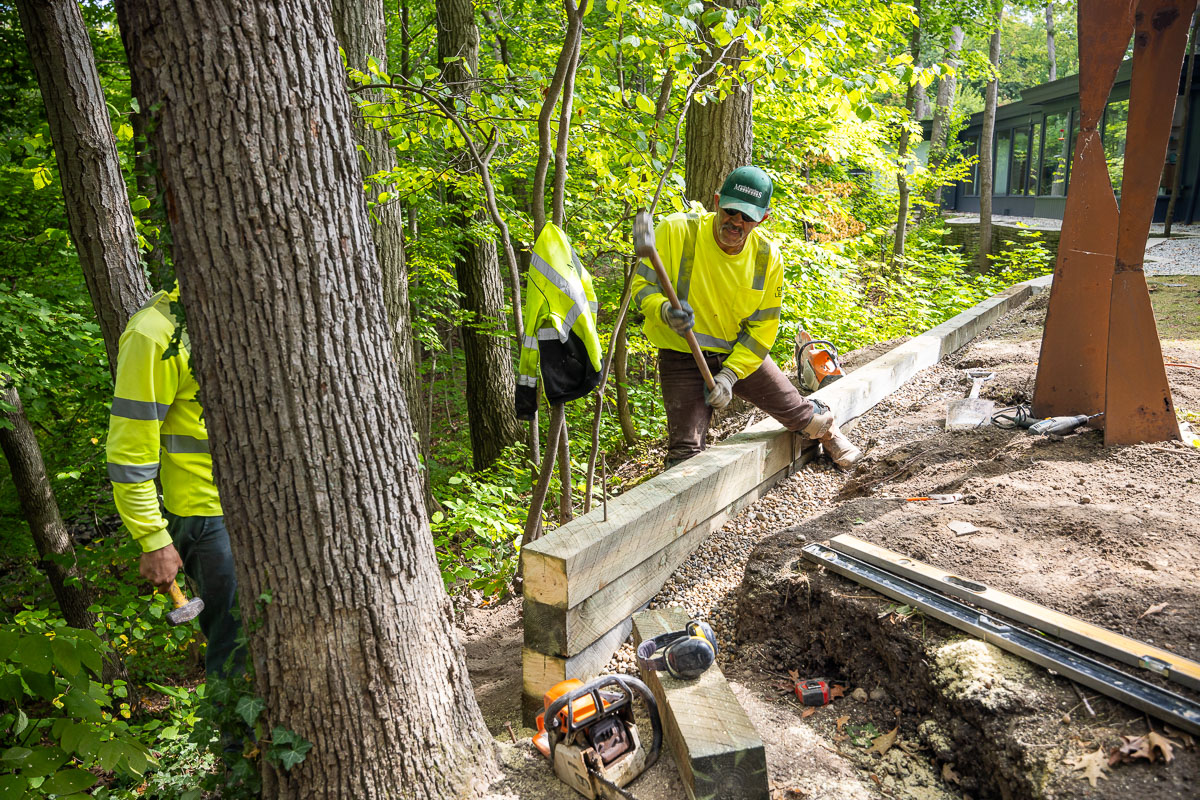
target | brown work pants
[{"x": 688, "y": 416}]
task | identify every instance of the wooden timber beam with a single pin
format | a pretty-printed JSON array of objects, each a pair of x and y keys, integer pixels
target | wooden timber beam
[{"x": 719, "y": 754}]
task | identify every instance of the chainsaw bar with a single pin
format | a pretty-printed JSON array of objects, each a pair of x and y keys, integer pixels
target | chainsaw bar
[{"x": 1155, "y": 701}]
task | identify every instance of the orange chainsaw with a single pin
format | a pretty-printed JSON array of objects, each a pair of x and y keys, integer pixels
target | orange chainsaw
[
  {"x": 591, "y": 739},
  {"x": 817, "y": 362}
]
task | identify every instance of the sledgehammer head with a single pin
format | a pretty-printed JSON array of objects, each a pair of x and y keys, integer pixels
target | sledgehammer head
[
  {"x": 643, "y": 234},
  {"x": 185, "y": 610}
]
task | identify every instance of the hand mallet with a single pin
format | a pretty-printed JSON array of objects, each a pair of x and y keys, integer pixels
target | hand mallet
[
  {"x": 643, "y": 247},
  {"x": 185, "y": 610}
]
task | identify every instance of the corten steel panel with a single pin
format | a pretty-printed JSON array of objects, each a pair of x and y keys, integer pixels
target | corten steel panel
[
  {"x": 1071, "y": 367},
  {"x": 1138, "y": 404}
]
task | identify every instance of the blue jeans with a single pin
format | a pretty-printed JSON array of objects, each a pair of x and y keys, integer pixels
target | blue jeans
[{"x": 203, "y": 544}]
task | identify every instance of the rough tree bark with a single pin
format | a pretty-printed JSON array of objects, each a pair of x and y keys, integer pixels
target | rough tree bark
[
  {"x": 56, "y": 552},
  {"x": 720, "y": 133},
  {"x": 910, "y": 99},
  {"x": 491, "y": 382},
  {"x": 986, "y": 171},
  {"x": 98, "y": 213},
  {"x": 1050, "y": 41},
  {"x": 362, "y": 33},
  {"x": 311, "y": 438},
  {"x": 943, "y": 108}
]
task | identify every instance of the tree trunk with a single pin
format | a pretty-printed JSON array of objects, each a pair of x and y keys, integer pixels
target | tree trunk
[
  {"x": 362, "y": 33},
  {"x": 910, "y": 98},
  {"x": 310, "y": 433},
  {"x": 491, "y": 382},
  {"x": 943, "y": 110},
  {"x": 921, "y": 108},
  {"x": 1050, "y": 40},
  {"x": 1181, "y": 149},
  {"x": 986, "y": 172},
  {"x": 720, "y": 133},
  {"x": 94, "y": 191},
  {"x": 56, "y": 552}
]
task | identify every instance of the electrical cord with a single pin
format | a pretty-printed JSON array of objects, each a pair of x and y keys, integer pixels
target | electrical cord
[{"x": 1013, "y": 417}]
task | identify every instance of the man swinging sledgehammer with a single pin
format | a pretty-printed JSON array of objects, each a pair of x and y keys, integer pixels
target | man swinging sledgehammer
[{"x": 729, "y": 281}]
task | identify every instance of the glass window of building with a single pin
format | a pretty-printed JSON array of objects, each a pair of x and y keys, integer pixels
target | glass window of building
[
  {"x": 1020, "y": 161},
  {"x": 1055, "y": 154},
  {"x": 1115, "y": 118},
  {"x": 972, "y": 151},
  {"x": 1035, "y": 151},
  {"x": 1003, "y": 151}
]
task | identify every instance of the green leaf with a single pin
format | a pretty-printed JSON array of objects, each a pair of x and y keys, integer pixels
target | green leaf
[
  {"x": 8, "y": 644},
  {"x": 65, "y": 656},
  {"x": 35, "y": 653},
  {"x": 21, "y": 722},
  {"x": 41, "y": 684},
  {"x": 43, "y": 761},
  {"x": 110, "y": 754},
  {"x": 69, "y": 781},
  {"x": 10, "y": 687},
  {"x": 12, "y": 786},
  {"x": 643, "y": 103},
  {"x": 15, "y": 755},
  {"x": 431, "y": 73},
  {"x": 248, "y": 708}
]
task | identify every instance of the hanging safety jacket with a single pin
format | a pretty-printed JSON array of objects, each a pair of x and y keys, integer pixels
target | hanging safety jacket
[
  {"x": 155, "y": 408},
  {"x": 736, "y": 299},
  {"x": 560, "y": 326}
]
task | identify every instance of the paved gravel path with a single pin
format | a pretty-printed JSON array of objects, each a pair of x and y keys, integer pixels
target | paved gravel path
[{"x": 1173, "y": 256}]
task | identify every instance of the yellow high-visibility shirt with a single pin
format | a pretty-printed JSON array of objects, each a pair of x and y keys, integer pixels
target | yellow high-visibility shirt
[
  {"x": 736, "y": 299},
  {"x": 155, "y": 411}
]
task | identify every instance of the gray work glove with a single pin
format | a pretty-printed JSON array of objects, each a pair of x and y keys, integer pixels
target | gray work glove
[
  {"x": 722, "y": 391},
  {"x": 680, "y": 320}
]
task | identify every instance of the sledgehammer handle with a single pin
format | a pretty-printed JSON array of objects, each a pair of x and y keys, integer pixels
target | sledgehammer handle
[
  {"x": 177, "y": 596},
  {"x": 643, "y": 243}
]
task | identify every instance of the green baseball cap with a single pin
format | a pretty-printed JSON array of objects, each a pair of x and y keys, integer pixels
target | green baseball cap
[{"x": 747, "y": 189}]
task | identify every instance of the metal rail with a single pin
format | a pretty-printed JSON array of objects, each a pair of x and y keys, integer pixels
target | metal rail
[{"x": 1155, "y": 701}]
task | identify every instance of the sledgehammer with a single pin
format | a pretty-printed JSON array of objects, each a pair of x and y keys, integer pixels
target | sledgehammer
[
  {"x": 643, "y": 247},
  {"x": 185, "y": 610}
]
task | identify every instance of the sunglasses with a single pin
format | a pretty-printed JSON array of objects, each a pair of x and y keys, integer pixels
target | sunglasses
[{"x": 734, "y": 214}]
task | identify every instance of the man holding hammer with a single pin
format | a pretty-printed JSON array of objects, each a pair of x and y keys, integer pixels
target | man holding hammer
[
  {"x": 157, "y": 428},
  {"x": 728, "y": 278}
]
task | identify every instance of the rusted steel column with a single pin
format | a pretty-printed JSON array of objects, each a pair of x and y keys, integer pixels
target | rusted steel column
[
  {"x": 1138, "y": 404},
  {"x": 1071, "y": 367}
]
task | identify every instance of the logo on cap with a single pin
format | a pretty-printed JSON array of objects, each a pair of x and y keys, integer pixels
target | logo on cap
[{"x": 748, "y": 190}]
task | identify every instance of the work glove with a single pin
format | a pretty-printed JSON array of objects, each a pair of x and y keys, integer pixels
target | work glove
[
  {"x": 722, "y": 391},
  {"x": 680, "y": 320}
]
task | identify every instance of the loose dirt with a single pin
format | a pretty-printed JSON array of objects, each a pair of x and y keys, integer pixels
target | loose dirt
[{"x": 1106, "y": 534}]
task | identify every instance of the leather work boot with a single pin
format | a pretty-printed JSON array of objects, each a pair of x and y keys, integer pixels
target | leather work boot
[{"x": 824, "y": 428}]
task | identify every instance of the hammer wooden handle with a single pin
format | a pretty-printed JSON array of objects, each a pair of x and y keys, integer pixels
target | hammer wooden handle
[
  {"x": 673, "y": 299},
  {"x": 177, "y": 596}
]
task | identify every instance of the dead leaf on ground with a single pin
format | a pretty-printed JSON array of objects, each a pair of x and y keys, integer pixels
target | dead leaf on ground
[
  {"x": 948, "y": 773},
  {"x": 841, "y": 723},
  {"x": 1154, "y": 609},
  {"x": 1091, "y": 764},
  {"x": 808, "y": 712},
  {"x": 908, "y": 747},
  {"x": 884, "y": 741},
  {"x": 1151, "y": 747},
  {"x": 836, "y": 691}
]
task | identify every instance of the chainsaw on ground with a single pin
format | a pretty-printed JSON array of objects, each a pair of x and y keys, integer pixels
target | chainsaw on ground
[
  {"x": 817, "y": 362},
  {"x": 588, "y": 733}
]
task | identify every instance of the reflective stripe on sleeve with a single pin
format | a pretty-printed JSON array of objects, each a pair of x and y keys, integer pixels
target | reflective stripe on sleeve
[
  {"x": 178, "y": 443},
  {"x": 750, "y": 343},
  {"x": 764, "y": 313},
  {"x": 550, "y": 335},
  {"x": 713, "y": 343},
  {"x": 131, "y": 473},
  {"x": 526, "y": 380},
  {"x": 644, "y": 293},
  {"x": 138, "y": 409},
  {"x": 529, "y": 342}
]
